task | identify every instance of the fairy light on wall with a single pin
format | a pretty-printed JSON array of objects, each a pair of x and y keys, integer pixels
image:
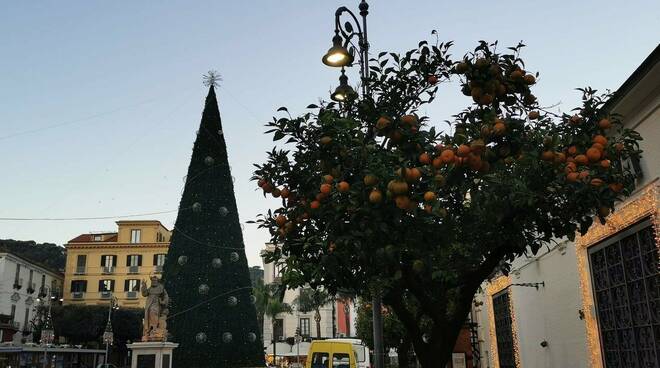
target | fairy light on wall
[
  {"x": 493, "y": 288},
  {"x": 643, "y": 205}
]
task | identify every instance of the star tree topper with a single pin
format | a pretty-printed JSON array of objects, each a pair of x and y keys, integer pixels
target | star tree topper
[{"x": 212, "y": 78}]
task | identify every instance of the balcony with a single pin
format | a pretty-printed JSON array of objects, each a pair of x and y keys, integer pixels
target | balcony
[
  {"x": 105, "y": 294},
  {"x": 18, "y": 284},
  {"x": 42, "y": 292},
  {"x": 158, "y": 268},
  {"x": 31, "y": 288},
  {"x": 108, "y": 270},
  {"x": 131, "y": 295},
  {"x": 80, "y": 270},
  {"x": 78, "y": 295},
  {"x": 133, "y": 269}
]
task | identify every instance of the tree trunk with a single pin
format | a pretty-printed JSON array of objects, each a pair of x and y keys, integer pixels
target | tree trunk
[
  {"x": 403, "y": 352},
  {"x": 317, "y": 318},
  {"x": 274, "y": 344}
]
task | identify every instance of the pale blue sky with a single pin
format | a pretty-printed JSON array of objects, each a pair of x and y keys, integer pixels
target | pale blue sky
[{"x": 100, "y": 100}]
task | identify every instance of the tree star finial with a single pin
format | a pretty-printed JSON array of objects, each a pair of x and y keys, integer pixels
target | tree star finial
[{"x": 212, "y": 78}]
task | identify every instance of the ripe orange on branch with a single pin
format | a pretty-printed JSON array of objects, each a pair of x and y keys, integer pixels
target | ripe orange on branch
[
  {"x": 600, "y": 139},
  {"x": 425, "y": 158},
  {"x": 370, "y": 180},
  {"x": 375, "y": 196},
  {"x": 447, "y": 156},
  {"x": 343, "y": 186},
  {"x": 326, "y": 188}
]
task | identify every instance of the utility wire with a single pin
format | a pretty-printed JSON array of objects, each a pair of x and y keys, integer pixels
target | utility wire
[{"x": 82, "y": 218}]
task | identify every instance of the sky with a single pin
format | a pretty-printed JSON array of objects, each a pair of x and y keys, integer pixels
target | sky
[{"x": 100, "y": 100}]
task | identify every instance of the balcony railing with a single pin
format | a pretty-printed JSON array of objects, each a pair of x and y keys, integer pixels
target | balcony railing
[
  {"x": 78, "y": 294},
  {"x": 105, "y": 294},
  {"x": 80, "y": 270},
  {"x": 108, "y": 269},
  {"x": 158, "y": 268},
  {"x": 32, "y": 287},
  {"x": 133, "y": 269},
  {"x": 131, "y": 295}
]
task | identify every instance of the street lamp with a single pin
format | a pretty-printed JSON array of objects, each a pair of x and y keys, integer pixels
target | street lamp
[
  {"x": 340, "y": 55},
  {"x": 108, "y": 335},
  {"x": 47, "y": 332},
  {"x": 344, "y": 92}
]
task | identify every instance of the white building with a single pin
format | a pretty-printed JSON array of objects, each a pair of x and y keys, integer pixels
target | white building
[
  {"x": 286, "y": 324},
  {"x": 22, "y": 283},
  {"x": 598, "y": 299}
]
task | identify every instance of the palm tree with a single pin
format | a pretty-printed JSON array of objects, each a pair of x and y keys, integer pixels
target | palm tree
[
  {"x": 269, "y": 303},
  {"x": 312, "y": 300}
]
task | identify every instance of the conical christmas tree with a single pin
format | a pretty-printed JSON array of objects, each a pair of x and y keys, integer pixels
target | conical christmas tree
[{"x": 212, "y": 314}]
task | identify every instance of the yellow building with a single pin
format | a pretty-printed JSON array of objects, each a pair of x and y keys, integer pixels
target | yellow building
[{"x": 104, "y": 265}]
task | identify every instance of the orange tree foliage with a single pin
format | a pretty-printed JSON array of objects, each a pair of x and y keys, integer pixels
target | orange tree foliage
[{"x": 374, "y": 196}]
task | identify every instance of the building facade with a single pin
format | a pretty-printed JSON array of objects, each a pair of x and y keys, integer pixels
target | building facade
[
  {"x": 23, "y": 285},
  {"x": 334, "y": 315},
  {"x": 100, "y": 266},
  {"x": 594, "y": 302}
]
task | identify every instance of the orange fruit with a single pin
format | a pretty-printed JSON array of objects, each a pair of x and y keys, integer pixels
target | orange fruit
[
  {"x": 599, "y": 139},
  {"x": 516, "y": 74},
  {"x": 276, "y": 192},
  {"x": 499, "y": 128},
  {"x": 570, "y": 167},
  {"x": 530, "y": 79},
  {"x": 547, "y": 156},
  {"x": 396, "y": 136},
  {"x": 343, "y": 186},
  {"x": 572, "y": 177},
  {"x": 605, "y": 164},
  {"x": 593, "y": 154},
  {"x": 413, "y": 174},
  {"x": 424, "y": 158},
  {"x": 325, "y": 140},
  {"x": 447, "y": 156},
  {"x": 326, "y": 188},
  {"x": 320, "y": 196},
  {"x": 584, "y": 174},
  {"x": 575, "y": 120},
  {"x": 429, "y": 196},
  {"x": 437, "y": 162},
  {"x": 428, "y": 208},
  {"x": 533, "y": 115},
  {"x": 261, "y": 182},
  {"x": 409, "y": 119},
  {"x": 370, "y": 180},
  {"x": 285, "y": 192},
  {"x": 383, "y": 123},
  {"x": 375, "y": 196},
  {"x": 572, "y": 150},
  {"x": 560, "y": 157},
  {"x": 439, "y": 180},
  {"x": 598, "y": 146},
  {"x": 619, "y": 147},
  {"x": 596, "y": 182},
  {"x": 486, "y": 99},
  {"x": 315, "y": 204},
  {"x": 581, "y": 159},
  {"x": 432, "y": 79},
  {"x": 604, "y": 123},
  {"x": 463, "y": 150},
  {"x": 280, "y": 220},
  {"x": 616, "y": 187},
  {"x": 477, "y": 146},
  {"x": 403, "y": 202},
  {"x": 328, "y": 179},
  {"x": 474, "y": 161},
  {"x": 398, "y": 187},
  {"x": 268, "y": 187}
]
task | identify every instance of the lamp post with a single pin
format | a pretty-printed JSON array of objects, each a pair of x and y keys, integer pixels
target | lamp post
[
  {"x": 47, "y": 332},
  {"x": 341, "y": 55},
  {"x": 108, "y": 335}
]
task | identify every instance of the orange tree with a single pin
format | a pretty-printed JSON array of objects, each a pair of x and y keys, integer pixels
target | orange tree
[{"x": 373, "y": 196}]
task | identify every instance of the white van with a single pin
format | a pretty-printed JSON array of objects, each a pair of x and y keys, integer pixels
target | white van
[{"x": 361, "y": 351}]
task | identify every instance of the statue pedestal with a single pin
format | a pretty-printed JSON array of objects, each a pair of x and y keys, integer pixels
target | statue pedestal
[{"x": 152, "y": 354}]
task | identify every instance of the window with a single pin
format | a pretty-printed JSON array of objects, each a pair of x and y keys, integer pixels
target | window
[
  {"x": 30, "y": 278},
  {"x": 320, "y": 360},
  {"x": 625, "y": 275},
  {"x": 135, "y": 235},
  {"x": 13, "y": 311},
  {"x": 81, "y": 262},
  {"x": 43, "y": 281},
  {"x": 304, "y": 326},
  {"x": 108, "y": 261},
  {"x": 134, "y": 260},
  {"x": 341, "y": 360},
  {"x": 503, "y": 330},
  {"x": 26, "y": 319},
  {"x": 18, "y": 272},
  {"x": 131, "y": 285},
  {"x": 78, "y": 286},
  {"x": 106, "y": 285},
  {"x": 97, "y": 237},
  {"x": 159, "y": 259},
  {"x": 278, "y": 329}
]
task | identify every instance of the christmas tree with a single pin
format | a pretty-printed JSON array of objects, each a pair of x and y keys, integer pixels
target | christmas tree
[{"x": 212, "y": 314}]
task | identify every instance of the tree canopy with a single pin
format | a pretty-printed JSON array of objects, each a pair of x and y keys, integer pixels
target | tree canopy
[
  {"x": 48, "y": 254},
  {"x": 375, "y": 196}
]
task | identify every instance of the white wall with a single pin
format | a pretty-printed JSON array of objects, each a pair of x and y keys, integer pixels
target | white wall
[{"x": 8, "y": 264}]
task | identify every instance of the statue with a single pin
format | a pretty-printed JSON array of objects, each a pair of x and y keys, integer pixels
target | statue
[{"x": 155, "y": 310}]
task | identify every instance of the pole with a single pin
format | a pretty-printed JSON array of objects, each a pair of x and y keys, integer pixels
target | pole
[
  {"x": 379, "y": 356},
  {"x": 46, "y": 345}
]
